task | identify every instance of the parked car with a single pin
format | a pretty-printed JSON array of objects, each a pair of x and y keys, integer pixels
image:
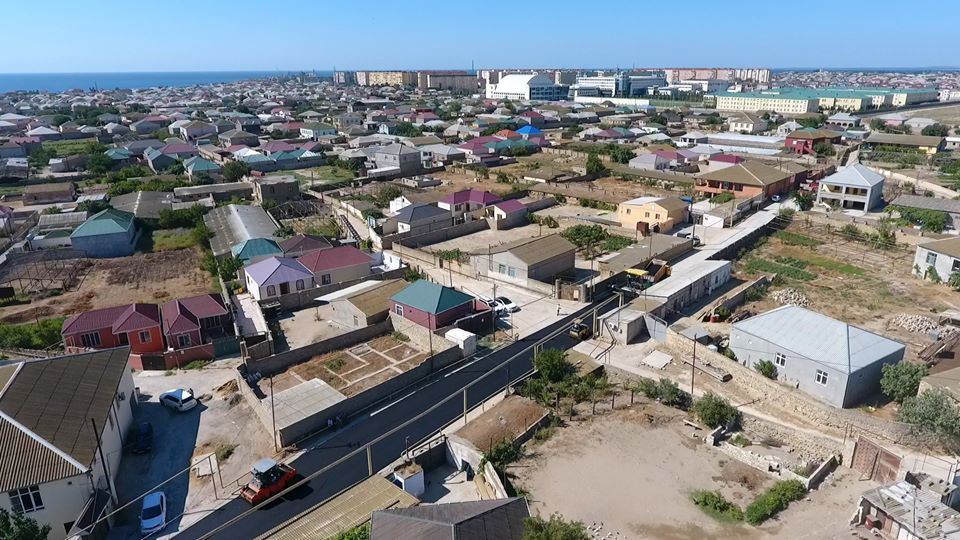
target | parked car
[
  {"x": 776, "y": 198},
  {"x": 143, "y": 438},
  {"x": 508, "y": 304},
  {"x": 153, "y": 515},
  {"x": 495, "y": 305},
  {"x": 178, "y": 400}
]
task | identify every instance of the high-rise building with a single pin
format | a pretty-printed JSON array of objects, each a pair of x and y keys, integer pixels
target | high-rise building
[
  {"x": 526, "y": 86},
  {"x": 344, "y": 77},
  {"x": 755, "y": 75},
  {"x": 455, "y": 81},
  {"x": 386, "y": 78}
]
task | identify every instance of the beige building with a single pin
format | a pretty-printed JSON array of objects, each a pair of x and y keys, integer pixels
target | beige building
[
  {"x": 454, "y": 81},
  {"x": 763, "y": 101},
  {"x": 386, "y": 78},
  {"x": 651, "y": 214}
]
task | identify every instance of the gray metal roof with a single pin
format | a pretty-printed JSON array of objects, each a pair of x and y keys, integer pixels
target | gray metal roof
[
  {"x": 534, "y": 250},
  {"x": 844, "y": 347},
  {"x": 235, "y": 223},
  {"x": 499, "y": 519},
  {"x": 855, "y": 175},
  {"x": 143, "y": 204},
  {"x": 928, "y": 203}
]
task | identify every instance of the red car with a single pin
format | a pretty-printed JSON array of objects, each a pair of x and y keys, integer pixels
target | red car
[{"x": 269, "y": 478}]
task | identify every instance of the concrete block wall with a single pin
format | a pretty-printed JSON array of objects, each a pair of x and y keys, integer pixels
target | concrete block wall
[{"x": 280, "y": 362}]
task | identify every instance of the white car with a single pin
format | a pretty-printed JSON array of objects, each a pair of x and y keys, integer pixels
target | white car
[
  {"x": 153, "y": 516},
  {"x": 178, "y": 400},
  {"x": 508, "y": 304}
]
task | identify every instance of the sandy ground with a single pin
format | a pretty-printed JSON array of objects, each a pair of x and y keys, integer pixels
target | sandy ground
[
  {"x": 152, "y": 277},
  {"x": 633, "y": 470},
  {"x": 504, "y": 421},
  {"x": 944, "y": 115},
  {"x": 310, "y": 325}
]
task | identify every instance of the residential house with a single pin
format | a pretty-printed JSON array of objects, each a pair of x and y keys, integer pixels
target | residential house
[
  {"x": 137, "y": 326},
  {"x": 852, "y": 187},
  {"x": 921, "y": 143},
  {"x": 652, "y": 214},
  {"x": 745, "y": 180},
  {"x": 223, "y": 192},
  {"x": 442, "y": 154},
  {"x": 746, "y": 123},
  {"x": 844, "y": 120},
  {"x": 400, "y": 156},
  {"x": 49, "y": 193},
  {"x": 692, "y": 138},
  {"x": 414, "y": 197},
  {"x": 937, "y": 257},
  {"x": 829, "y": 359},
  {"x": 197, "y": 166},
  {"x": 276, "y": 276},
  {"x": 196, "y": 320},
  {"x": 467, "y": 200},
  {"x": 496, "y": 519},
  {"x": 804, "y": 141},
  {"x": 430, "y": 305},
  {"x": 278, "y": 189},
  {"x": 158, "y": 161},
  {"x": 541, "y": 259},
  {"x": 64, "y": 423},
  {"x": 948, "y": 206},
  {"x": 238, "y": 137},
  {"x": 315, "y": 130},
  {"x": 337, "y": 265},
  {"x": 906, "y": 510},
  {"x": 366, "y": 303},
  {"x": 507, "y": 214},
  {"x": 109, "y": 233},
  {"x": 649, "y": 162},
  {"x": 299, "y": 244},
  {"x": 422, "y": 218},
  {"x": 254, "y": 249},
  {"x": 235, "y": 223},
  {"x": 788, "y": 127},
  {"x": 144, "y": 204},
  {"x": 194, "y": 130}
]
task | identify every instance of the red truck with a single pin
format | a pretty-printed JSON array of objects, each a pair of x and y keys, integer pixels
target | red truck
[{"x": 269, "y": 478}]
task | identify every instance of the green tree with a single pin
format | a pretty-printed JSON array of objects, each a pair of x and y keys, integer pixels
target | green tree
[
  {"x": 385, "y": 194},
  {"x": 935, "y": 130},
  {"x": 15, "y": 526},
  {"x": 715, "y": 411},
  {"x": 954, "y": 281},
  {"x": 92, "y": 207},
  {"x": 902, "y": 380},
  {"x": 766, "y": 368},
  {"x": 555, "y": 528},
  {"x": 360, "y": 532},
  {"x": 932, "y": 413},
  {"x": 594, "y": 165},
  {"x": 804, "y": 200},
  {"x": 553, "y": 365},
  {"x": 933, "y": 275},
  {"x": 234, "y": 171},
  {"x": 620, "y": 154},
  {"x": 99, "y": 163},
  {"x": 201, "y": 235},
  {"x": 406, "y": 129},
  {"x": 824, "y": 149}
]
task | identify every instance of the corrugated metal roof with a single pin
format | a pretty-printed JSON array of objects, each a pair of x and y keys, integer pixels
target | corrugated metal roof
[
  {"x": 235, "y": 223},
  {"x": 27, "y": 460},
  {"x": 534, "y": 250},
  {"x": 430, "y": 297},
  {"x": 500, "y": 519}
]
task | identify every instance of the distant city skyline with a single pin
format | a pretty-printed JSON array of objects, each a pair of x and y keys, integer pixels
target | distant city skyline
[{"x": 104, "y": 36}]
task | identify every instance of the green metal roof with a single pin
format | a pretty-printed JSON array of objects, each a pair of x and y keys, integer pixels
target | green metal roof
[
  {"x": 255, "y": 247},
  {"x": 430, "y": 297},
  {"x": 819, "y": 93},
  {"x": 109, "y": 221}
]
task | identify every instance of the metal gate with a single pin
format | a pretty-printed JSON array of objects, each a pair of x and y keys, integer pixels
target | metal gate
[
  {"x": 153, "y": 362},
  {"x": 874, "y": 462}
]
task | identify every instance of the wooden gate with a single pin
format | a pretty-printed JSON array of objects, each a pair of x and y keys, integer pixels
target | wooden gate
[{"x": 874, "y": 462}]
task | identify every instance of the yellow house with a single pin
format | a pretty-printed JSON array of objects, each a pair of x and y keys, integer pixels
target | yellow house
[{"x": 652, "y": 214}]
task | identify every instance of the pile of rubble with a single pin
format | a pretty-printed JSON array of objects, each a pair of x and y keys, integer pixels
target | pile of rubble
[
  {"x": 914, "y": 323},
  {"x": 791, "y": 297}
]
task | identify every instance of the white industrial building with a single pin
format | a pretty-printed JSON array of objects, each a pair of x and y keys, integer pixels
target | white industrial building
[{"x": 525, "y": 87}]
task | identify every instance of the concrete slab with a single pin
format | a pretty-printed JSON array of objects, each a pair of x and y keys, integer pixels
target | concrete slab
[
  {"x": 302, "y": 401},
  {"x": 657, "y": 360}
]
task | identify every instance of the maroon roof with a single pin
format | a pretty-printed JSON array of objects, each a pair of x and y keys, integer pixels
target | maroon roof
[
  {"x": 126, "y": 318},
  {"x": 178, "y": 148},
  {"x": 338, "y": 257},
  {"x": 510, "y": 206},
  {"x": 728, "y": 158},
  {"x": 471, "y": 195},
  {"x": 184, "y": 314},
  {"x": 303, "y": 243},
  {"x": 278, "y": 146}
]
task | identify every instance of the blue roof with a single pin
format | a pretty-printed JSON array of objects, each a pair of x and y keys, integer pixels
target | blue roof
[
  {"x": 529, "y": 130},
  {"x": 430, "y": 297},
  {"x": 255, "y": 247}
]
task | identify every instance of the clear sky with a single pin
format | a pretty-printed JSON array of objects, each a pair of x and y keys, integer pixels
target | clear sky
[{"x": 200, "y": 35}]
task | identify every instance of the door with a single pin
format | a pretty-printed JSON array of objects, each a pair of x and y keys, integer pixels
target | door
[{"x": 284, "y": 288}]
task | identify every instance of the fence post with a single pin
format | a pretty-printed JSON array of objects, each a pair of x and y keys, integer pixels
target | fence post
[{"x": 369, "y": 460}]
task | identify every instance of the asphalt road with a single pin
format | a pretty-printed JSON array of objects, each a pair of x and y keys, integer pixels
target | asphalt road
[{"x": 372, "y": 424}]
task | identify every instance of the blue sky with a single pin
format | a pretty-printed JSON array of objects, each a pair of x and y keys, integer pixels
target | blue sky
[{"x": 199, "y": 35}]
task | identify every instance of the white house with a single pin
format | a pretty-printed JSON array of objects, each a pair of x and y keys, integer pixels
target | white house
[
  {"x": 747, "y": 123},
  {"x": 852, "y": 187},
  {"x": 940, "y": 255},
  {"x": 275, "y": 276},
  {"x": 52, "y": 469}
]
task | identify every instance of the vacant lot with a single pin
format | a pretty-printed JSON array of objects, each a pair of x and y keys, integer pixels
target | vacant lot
[
  {"x": 150, "y": 277},
  {"x": 945, "y": 115},
  {"x": 633, "y": 471},
  {"x": 363, "y": 366},
  {"x": 848, "y": 280}
]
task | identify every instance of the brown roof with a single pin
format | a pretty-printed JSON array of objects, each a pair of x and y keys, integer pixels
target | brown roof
[
  {"x": 52, "y": 401},
  {"x": 48, "y": 188},
  {"x": 671, "y": 203},
  {"x": 813, "y": 134},
  {"x": 877, "y": 137},
  {"x": 537, "y": 249},
  {"x": 377, "y": 299},
  {"x": 750, "y": 173},
  {"x": 947, "y": 246}
]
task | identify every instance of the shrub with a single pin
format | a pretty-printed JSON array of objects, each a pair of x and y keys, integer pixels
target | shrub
[
  {"x": 671, "y": 395},
  {"x": 795, "y": 239},
  {"x": 41, "y": 335},
  {"x": 766, "y": 368},
  {"x": 740, "y": 440},
  {"x": 556, "y": 528},
  {"x": 224, "y": 451},
  {"x": 932, "y": 413},
  {"x": 901, "y": 381},
  {"x": 715, "y": 411},
  {"x": 553, "y": 366},
  {"x": 774, "y": 501},
  {"x": 716, "y": 505},
  {"x": 400, "y": 336}
]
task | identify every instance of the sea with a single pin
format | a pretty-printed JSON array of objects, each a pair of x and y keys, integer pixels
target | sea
[{"x": 59, "y": 82}]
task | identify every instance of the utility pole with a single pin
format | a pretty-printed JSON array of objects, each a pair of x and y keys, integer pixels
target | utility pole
[
  {"x": 493, "y": 320},
  {"x": 693, "y": 368},
  {"x": 103, "y": 460},
  {"x": 273, "y": 416}
]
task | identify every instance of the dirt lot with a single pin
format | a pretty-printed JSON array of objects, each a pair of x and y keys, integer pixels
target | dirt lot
[
  {"x": 944, "y": 115},
  {"x": 505, "y": 420},
  {"x": 633, "y": 470},
  {"x": 363, "y": 366},
  {"x": 150, "y": 277},
  {"x": 854, "y": 282}
]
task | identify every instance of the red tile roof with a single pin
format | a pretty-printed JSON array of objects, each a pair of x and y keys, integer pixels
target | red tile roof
[
  {"x": 126, "y": 318},
  {"x": 338, "y": 257},
  {"x": 137, "y": 317},
  {"x": 184, "y": 314}
]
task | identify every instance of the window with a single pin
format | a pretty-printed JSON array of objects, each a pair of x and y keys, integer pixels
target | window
[
  {"x": 646, "y": 214},
  {"x": 399, "y": 310},
  {"x": 931, "y": 257},
  {"x": 956, "y": 266},
  {"x": 26, "y": 500},
  {"x": 502, "y": 268},
  {"x": 90, "y": 340},
  {"x": 780, "y": 359},
  {"x": 299, "y": 284},
  {"x": 821, "y": 377},
  {"x": 325, "y": 279},
  {"x": 144, "y": 336},
  {"x": 356, "y": 321},
  {"x": 628, "y": 210},
  {"x": 512, "y": 272},
  {"x": 184, "y": 340},
  {"x": 271, "y": 290}
]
